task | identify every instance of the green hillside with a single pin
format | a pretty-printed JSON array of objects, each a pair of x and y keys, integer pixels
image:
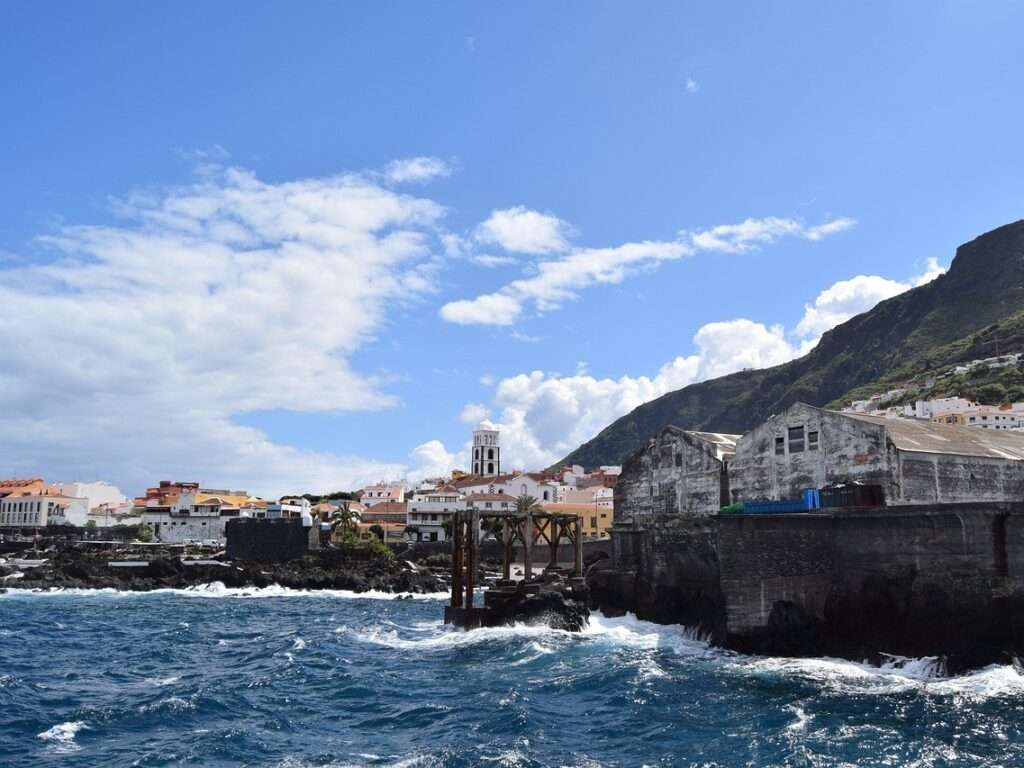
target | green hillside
[{"x": 975, "y": 310}]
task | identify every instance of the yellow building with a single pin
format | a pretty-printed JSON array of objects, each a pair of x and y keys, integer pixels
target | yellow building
[{"x": 595, "y": 520}]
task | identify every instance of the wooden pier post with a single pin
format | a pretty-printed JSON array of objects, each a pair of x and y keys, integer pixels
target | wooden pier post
[
  {"x": 528, "y": 547},
  {"x": 578, "y": 545},
  {"x": 457, "y": 560},
  {"x": 472, "y": 555},
  {"x": 506, "y": 560}
]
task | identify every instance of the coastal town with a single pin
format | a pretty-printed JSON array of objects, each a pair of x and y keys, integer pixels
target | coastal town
[{"x": 394, "y": 511}]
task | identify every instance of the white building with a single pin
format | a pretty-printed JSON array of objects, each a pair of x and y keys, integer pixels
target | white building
[
  {"x": 40, "y": 510},
  {"x": 191, "y": 518},
  {"x": 382, "y": 493},
  {"x": 96, "y": 494},
  {"x": 940, "y": 406},
  {"x": 290, "y": 507},
  {"x": 429, "y": 509},
  {"x": 528, "y": 484},
  {"x": 486, "y": 450}
]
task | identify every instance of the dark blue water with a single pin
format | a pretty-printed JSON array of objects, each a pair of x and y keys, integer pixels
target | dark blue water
[{"x": 107, "y": 679}]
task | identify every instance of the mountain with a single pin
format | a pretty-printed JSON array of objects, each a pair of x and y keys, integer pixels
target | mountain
[{"x": 975, "y": 310}]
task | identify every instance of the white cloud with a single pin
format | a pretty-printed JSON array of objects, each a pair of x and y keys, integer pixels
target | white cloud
[
  {"x": 489, "y": 261},
  {"x": 692, "y": 86},
  {"x": 561, "y": 279},
  {"x": 474, "y": 413},
  {"x": 844, "y": 299},
  {"x": 521, "y": 230},
  {"x": 544, "y": 416},
  {"x": 132, "y": 350},
  {"x": 848, "y": 298},
  {"x": 489, "y": 309},
  {"x": 417, "y": 169},
  {"x": 932, "y": 270},
  {"x": 732, "y": 345},
  {"x": 431, "y": 459}
]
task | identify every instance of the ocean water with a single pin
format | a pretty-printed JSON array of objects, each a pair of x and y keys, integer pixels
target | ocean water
[{"x": 220, "y": 677}]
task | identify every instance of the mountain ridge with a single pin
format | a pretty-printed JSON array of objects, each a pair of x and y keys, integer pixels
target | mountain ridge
[{"x": 905, "y": 333}]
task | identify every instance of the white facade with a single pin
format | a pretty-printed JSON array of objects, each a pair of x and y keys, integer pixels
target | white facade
[
  {"x": 514, "y": 486},
  {"x": 428, "y": 510},
  {"x": 39, "y": 510},
  {"x": 290, "y": 507},
  {"x": 486, "y": 450},
  {"x": 927, "y": 409},
  {"x": 188, "y": 522}
]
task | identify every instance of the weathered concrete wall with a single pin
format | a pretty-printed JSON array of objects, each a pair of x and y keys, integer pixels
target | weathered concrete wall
[
  {"x": 270, "y": 541},
  {"x": 766, "y": 558},
  {"x": 676, "y": 473},
  {"x": 929, "y": 477},
  {"x": 922, "y": 580},
  {"x": 663, "y": 568},
  {"x": 846, "y": 449},
  {"x": 941, "y": 579}
]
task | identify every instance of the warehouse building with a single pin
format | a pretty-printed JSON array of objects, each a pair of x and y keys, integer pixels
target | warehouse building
[
  {"x": 914, "y": 462},
  {"x": 677, "y": 472}
]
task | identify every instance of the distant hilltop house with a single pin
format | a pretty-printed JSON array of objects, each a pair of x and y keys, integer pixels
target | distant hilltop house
[
  {"x": 910, "y": 461},
  {"x": 382, "y": 493}
]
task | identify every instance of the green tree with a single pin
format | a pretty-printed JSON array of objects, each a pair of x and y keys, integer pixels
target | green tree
[
  {"x": 343, "y": 518},
  {"x": 413, "y": 530},
  {"x": 377, "y": 531},
  {"x": 90, "y": 524},
  {"x": 528, "y": 505},
  {"x": 144, "y": 533}
]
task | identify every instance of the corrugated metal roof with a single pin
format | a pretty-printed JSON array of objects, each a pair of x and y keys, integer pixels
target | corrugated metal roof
[{"x": 929, "y": 437}]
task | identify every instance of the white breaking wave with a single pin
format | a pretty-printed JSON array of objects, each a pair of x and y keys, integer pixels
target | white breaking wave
[
  {"x": 162, "y": 681},
  {"x": 624, "y": 631},
  {"x": 217, "y": 589},
  {"x": 62, "y": 736},
  {"x": 850, "y": 677}
]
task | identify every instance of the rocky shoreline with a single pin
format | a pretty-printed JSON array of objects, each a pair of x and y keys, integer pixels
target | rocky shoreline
[
  {"x": 75, "y": 569},
  {"x": 552, "y": 603}
]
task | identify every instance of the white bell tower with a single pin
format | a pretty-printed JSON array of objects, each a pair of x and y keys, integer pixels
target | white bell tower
[{"x": 486, "y": 451}]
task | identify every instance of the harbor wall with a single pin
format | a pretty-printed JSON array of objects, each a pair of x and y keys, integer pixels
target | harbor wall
[{"x": 939, "y": 579}]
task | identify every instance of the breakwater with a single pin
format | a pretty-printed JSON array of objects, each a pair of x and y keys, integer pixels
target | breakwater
[{"x": 944, "y": 579}]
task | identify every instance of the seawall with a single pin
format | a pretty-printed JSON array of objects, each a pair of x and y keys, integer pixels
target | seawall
[{"x": 919, "y": 580}]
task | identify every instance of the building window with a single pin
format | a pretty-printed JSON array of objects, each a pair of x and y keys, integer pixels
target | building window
[
  {"x": 780, "y": 446},
  {"x": 679, "y": 459},
  {"x": 812, "y": 441},
  {"x": 796, "y": 439}
]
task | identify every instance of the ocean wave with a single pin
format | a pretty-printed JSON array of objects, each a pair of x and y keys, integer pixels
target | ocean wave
[
  {"x": 903, "y": 675},
  {"x": 217, "y": 589},
  {"x": 61, "y": 737}
]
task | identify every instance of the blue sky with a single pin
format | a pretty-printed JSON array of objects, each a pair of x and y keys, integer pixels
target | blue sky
[{"x": 544, "y": 131}]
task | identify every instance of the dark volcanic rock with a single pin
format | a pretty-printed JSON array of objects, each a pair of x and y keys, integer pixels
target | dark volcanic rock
[{"x": 554, "y": 607}]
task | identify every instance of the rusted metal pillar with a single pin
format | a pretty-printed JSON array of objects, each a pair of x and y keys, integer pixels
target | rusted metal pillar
[
  {"x": 578, "y": 545},
  {"x": 506, "y": 560},
  {"x": 472, "y": 555},
  {"x": 528, "y": 547},
  {"x": 457, "y": 560}
]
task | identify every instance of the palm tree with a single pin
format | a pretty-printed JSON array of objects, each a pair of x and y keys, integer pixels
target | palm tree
[
  {"x": 526, "y": 505},
  {"x": 343, "y": 517}
]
